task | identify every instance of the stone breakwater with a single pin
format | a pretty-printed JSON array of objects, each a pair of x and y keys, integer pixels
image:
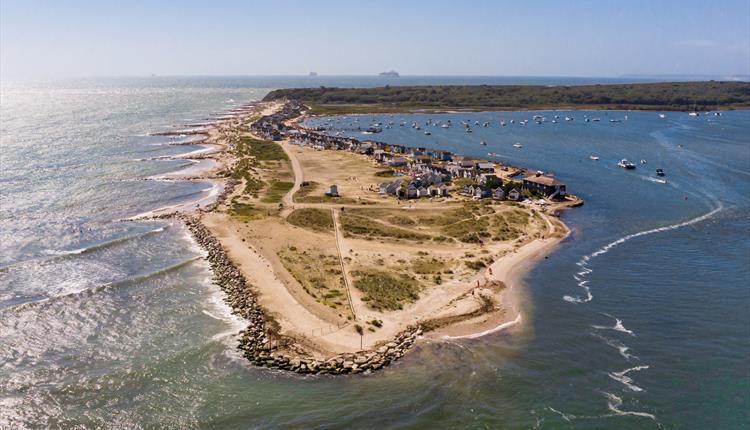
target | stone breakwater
[{"x": 261, "y": 343}]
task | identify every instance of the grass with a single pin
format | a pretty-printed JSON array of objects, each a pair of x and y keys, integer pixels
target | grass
[
  {"x": 276, "y": 191},
  {"x": 248, "y": 212},
  {"x": 319, "y": 274},
  {"x": 260, "y": 150},
  {"x": 312, "y": 218},
  {"x": 254, "y": 156},
  {"x": 425, "y": 266},
  {"x": 361, "y": 226},
  {"x": 386, "y": 291}
]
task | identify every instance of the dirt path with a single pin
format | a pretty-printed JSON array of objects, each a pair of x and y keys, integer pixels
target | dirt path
[
  {"x": 347, "y": 278},
  {"x": 288, "y": 198}
]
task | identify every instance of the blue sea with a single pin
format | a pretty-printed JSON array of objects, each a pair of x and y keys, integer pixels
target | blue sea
[{"x": 638, "y": 320}]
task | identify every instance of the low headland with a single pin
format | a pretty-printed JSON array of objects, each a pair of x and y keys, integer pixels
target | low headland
[
  {"x": 341, "y": 253},
  {"x": 663, "y": 96}
]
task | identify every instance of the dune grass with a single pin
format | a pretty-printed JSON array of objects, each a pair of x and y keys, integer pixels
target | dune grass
[
  {"x": 384, "y": 291},
  {"x": 312, "y": 218}
]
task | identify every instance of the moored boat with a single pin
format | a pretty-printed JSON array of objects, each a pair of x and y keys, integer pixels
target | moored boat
[{"x": 625, "y": 164}]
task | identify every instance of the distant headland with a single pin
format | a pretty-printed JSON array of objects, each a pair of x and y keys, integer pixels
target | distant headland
[{"x": 664, "y": 96}]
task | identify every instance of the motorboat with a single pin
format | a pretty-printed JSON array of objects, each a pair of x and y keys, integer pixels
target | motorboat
[
  {"x": 427, "y": 133},
  {"x": 659, "y": 172},
  {"x": 483, "y": 143},
  {"x": 518, "y": 145},
  {"x": 662, "y": 116},
  {"x": 625, "y": 164},
  {"x": 643, "y": 161},
  {"x": 593, "y": 157}
]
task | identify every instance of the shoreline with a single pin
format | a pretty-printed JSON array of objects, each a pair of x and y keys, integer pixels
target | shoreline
[{"x": 269, "y": 342}]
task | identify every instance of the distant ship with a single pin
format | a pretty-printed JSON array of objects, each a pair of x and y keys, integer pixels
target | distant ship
[
  {"x": 390, "y": 74},
  {"x": 312, "y": 74}
]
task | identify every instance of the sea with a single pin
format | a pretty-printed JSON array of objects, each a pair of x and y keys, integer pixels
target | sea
[{"x": 638, "y": 320}]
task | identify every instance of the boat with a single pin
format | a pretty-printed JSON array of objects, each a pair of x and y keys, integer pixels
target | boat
[
  {"x": 518, "y": 145},
  {"x": 512, "y": 121},
  {"x": 502, "y": 123},
  {"x": 659, "y": 172},
  {"x": 468, "y": 130},
  {"x": 568, "y": 118},
  {"x": 595, "y": 119},
  {"x": 593, "y": 157},
  {"x": 483, "y": 143},
  {"x": 662, "y": 116},
  {"x": 445, "y": 126},
  {"x": 643, "y": 161},
  {"x": 693, "y": 113},
  {"x": 615, "y": 120},
  {"x": 625, "y": 164},
  {"x": 486, "y": 124},
  {"x": 427, "y": 133}
]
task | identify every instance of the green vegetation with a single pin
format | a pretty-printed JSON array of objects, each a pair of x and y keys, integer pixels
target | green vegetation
[
  {"x": 248, "y": 212},
  {"x": 253, "y": 155},
  {"x": 311, "y": 218},
  {"x": 362, "y": 226},
  {"x": 652, "y": 96},
  {"x": 276, "y": 191},
  {"x": 385, "y": 291},
  {"x": 260, "y": 150},
  {"x": 424, "y": 266},
  {"x": 319, "y": 274}
]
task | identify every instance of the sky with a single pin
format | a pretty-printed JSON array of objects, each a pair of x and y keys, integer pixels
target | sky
[{"x": 277, "y": 37}]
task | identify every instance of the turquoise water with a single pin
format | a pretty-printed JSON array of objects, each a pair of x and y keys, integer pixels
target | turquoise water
[{"x": 116, "y": 324}]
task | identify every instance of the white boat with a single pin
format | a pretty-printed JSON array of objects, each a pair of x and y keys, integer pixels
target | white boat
[
  {"x": 625, "y": 164},
  {"x": 643, "y": 161},
  {"x": 662, "y": 116},
  {"x": 445, "y": 126},
  {"x": 518, "y": 145},
  {"x": 693, "y": 113},
  {"x": 483, "y": 143},
  {"x": 427, "y": 133},
  {"x": 594, "y": 157}
]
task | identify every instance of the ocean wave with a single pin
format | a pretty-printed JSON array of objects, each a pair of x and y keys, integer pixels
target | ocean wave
[
  {"x": 584, "y": 261},
  {"x": 626, "y": 380},
  {"x": 619, "y": 346},
  {"x": 614, "y": 402},
  {"x": 617, "y": 327},
  {"x": 57, "y": 254},
  {"x": 99, "y": 288}
]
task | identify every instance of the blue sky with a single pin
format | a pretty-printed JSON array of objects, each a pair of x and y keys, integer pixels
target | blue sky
[{"x": 543, "y": 38}]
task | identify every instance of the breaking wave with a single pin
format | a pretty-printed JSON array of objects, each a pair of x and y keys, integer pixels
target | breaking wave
[{"x": 584, "y": 261}]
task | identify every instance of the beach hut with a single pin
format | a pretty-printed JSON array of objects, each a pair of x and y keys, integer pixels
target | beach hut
[
  {"x": 498, "y": 194},
  {"x": 332, "y": 191}
]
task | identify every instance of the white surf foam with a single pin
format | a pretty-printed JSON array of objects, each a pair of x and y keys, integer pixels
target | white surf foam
[
  {"x": 617, "y": 327},
  {"x": 614, "y": 402},
  {"x": 626, "y": 380},
  {"x": 584, "y": 261},
  {"x": 490, "y": 331}
]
